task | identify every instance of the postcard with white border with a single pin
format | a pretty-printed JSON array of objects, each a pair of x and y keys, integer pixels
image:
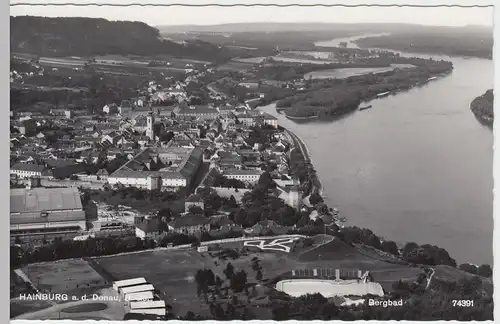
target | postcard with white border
[{"x": 251, "y": 161}]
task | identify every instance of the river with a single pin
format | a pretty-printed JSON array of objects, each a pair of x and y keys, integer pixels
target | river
[{"x": 417, "y": 167}]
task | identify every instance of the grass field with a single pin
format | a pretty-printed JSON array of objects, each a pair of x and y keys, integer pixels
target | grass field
[{"x": 72, "y": 277}]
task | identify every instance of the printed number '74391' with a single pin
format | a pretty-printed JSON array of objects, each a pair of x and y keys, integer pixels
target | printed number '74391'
[{"x": 463, "y": 303}]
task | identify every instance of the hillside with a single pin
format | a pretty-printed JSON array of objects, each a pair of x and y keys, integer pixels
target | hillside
[
  {"x": 454, "y": 41},
  {"x": 482, "y": 107},
  {"x": 84, "y": 37}
]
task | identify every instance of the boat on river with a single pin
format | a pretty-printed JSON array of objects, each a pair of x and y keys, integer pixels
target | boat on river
[
  {"x": 365, "y": 107},
  {"x": 383, "y": 94},
  {"x": 432, "y": 78}
]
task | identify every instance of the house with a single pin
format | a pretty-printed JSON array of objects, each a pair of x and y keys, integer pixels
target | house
[
  {"x": 229, "y": 160},
  {"x": 102, "y": 174},
  {"x": 270, "y": 120},
  {"x": 62, "y": 168},
  {"x": 148, "y": 229},
  {"x": 112, "y": 138},
  {"x": 268, "y": 226},
  {"x": 221, "y": 224},
  {"x": 110, "y": 109},
  {"x": 247, "y": 119},
  {"x": 125, "y": 108},
  {"x": 190, "y": 224},
  {"x": 27, "y": 170},
  {"x": 28, "y": 127},
  {"x": 194, "y": 200}
]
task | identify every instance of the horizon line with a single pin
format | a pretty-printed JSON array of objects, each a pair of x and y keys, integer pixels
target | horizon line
[{"x": 272, "y": 22}]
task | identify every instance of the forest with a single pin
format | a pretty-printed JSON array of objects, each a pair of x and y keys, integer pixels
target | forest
[
  {"x": 84, "y": 37},
  {"x": 466, "y": 41},
  {"x": 482, "y": 107},
  {"x": 338, "y": 96}
]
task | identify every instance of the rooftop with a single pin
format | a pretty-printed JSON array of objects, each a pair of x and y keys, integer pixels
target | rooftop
[
  {"x": 44, "y": 199},
  {"x": 189, "y": 220}
]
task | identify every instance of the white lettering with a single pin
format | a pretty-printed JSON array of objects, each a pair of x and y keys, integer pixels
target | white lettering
[
  {"x": 385, "y": 303},
  {"x": 44, "y": 297}
]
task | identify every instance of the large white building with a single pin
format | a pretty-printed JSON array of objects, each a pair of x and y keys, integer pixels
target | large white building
[
  {"x": 27, "y": 170},
  {"x": 248, "y": 176},
  {"x": 159, "y": 168}
]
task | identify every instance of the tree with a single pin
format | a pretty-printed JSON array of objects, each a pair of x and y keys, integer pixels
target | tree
[
  {"x": 315, "y": 198},
  {"x": 258, "y": 275},
  {"x": 266, "y": 181},
  {"x": 470, "y": 268},
  {"x": 229, "y": 271},
  {"x": 218, "y": 282},
  {"x": 232, "y": 202},
  {"x": 485, "y": 271},
  {"x": 238, "y": 281},
  {"x": 408, "y": 248},
  {"x": 390, "y": 247}
]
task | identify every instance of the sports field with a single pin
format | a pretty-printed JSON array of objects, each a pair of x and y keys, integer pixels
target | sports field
[{"x": 73, "y": 277}]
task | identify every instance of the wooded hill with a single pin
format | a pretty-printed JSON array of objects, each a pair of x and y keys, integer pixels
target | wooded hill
[{"x": 83, "y": 37}]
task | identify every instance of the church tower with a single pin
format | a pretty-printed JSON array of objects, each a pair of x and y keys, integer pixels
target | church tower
[{"x": 150, "y": 122}]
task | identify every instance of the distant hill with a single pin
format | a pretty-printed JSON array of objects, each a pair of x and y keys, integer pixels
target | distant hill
[
  {"x": 482, "y": 107},
  {"x": 271, "y": 27},
  {"x": 57, "y": 37},
  {"x": 283, "y": 27},
  {"x": 474, "y": 41}
]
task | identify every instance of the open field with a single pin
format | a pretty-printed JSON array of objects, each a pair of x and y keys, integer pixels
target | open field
[
  {"x": 73, "y": 277},
  {"x": 172, "y": 272},
  {"x": 235, "y": 66}
]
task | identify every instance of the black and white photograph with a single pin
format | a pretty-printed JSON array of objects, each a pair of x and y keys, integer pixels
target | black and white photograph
[{"x": 222, "y": 160}]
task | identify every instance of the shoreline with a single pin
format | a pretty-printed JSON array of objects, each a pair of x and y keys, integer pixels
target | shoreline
[{"x": 307, "y": 156}]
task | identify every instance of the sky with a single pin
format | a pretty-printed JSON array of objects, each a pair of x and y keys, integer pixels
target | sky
[{"x": 181, "y": 15}]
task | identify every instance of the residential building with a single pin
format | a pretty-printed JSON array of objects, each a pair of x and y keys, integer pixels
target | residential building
[
  {"x": 190, "y": 224},
  {"x": 197, "y": 112},
  {"x": 248, "y": 176},
  {"x": 27, "y": 170},
  {"x": 194, "y": 200}
]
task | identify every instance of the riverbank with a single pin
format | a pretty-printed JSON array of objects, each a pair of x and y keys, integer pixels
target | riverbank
[
  {"x": 482, "y": 108},
  {"x": 329, "y": 98},
  {"x": 316, "y": 182}
]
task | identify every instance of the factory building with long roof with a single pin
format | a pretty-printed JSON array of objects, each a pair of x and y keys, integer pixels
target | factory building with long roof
[{"x": 48, "y": 212}]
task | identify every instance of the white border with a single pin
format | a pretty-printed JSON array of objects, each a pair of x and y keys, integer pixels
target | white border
[{"x": 5, "y": 69}]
